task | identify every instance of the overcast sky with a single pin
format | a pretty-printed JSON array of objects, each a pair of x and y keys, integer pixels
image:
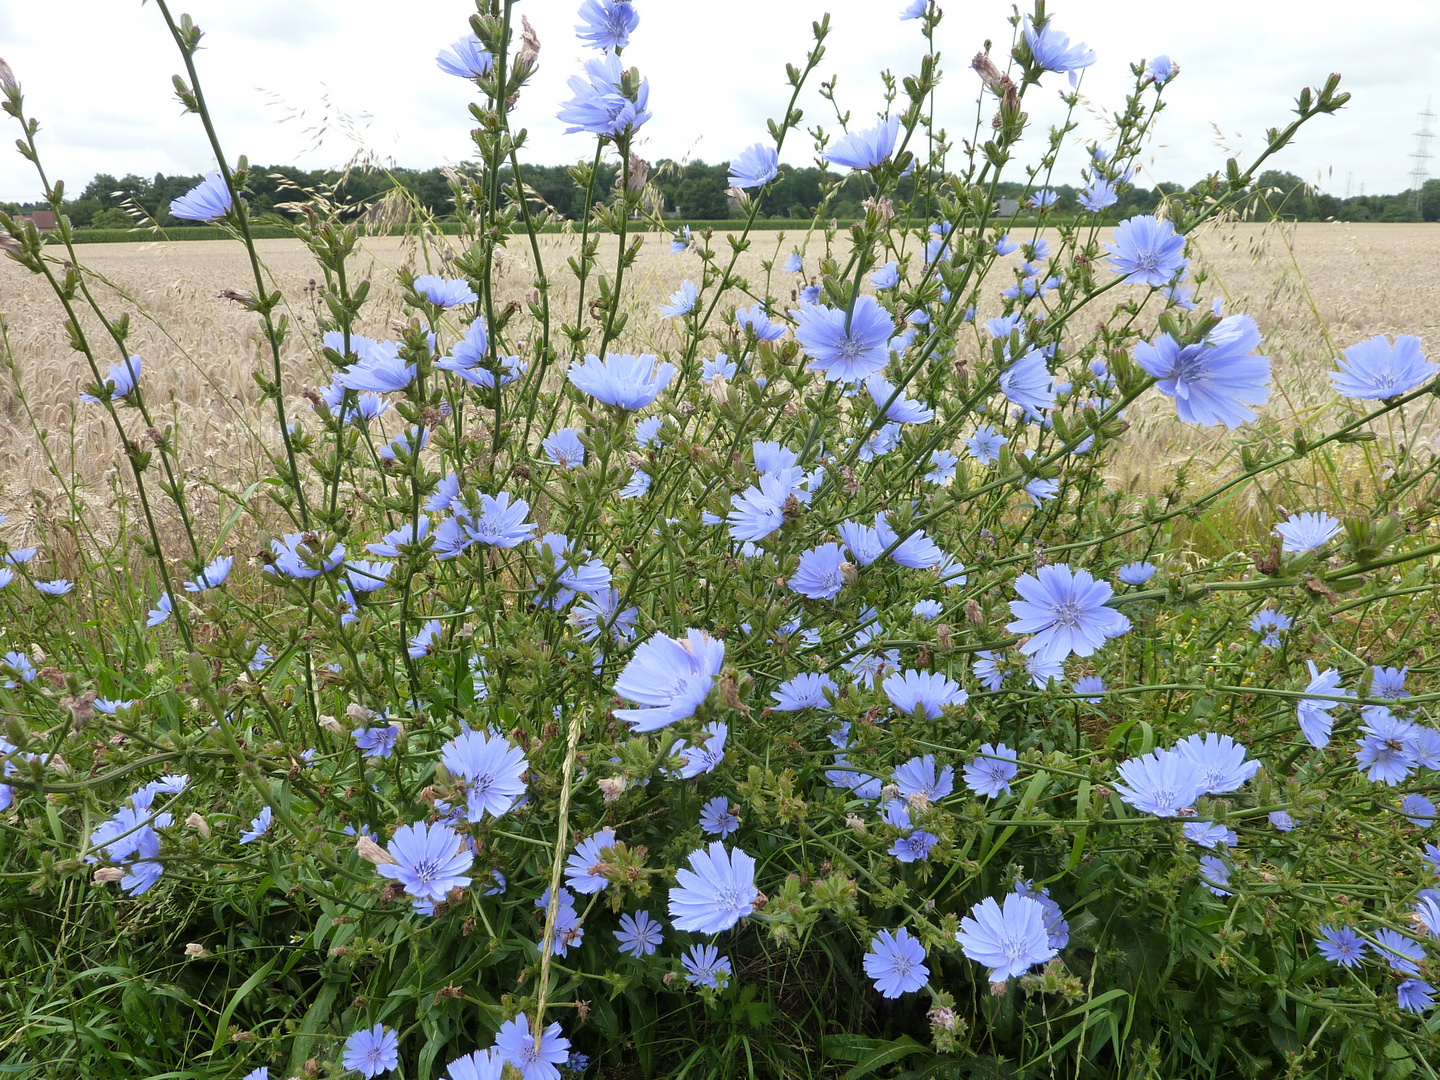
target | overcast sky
[{"x": 281, "y": 75}]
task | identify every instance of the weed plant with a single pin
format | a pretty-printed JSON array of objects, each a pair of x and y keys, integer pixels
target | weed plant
[{"x": 800, "y": 699}]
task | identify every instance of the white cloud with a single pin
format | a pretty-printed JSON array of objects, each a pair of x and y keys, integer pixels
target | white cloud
[{"x": 716, "y": 74}]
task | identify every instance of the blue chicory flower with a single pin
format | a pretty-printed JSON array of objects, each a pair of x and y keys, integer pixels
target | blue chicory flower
[
  {"x": 1065, "y": 611},
  {"x": 1053, "y": 52},
  {"x": 704, "y": 966},
  {"x": 865, "y": 149},
  {"x": 516, "y": 1042},
  {"x": 465, "y": 59},
  {"x": 259, "y": 826},
  {"x": 804, "y": 692},
  {"x": 607, "y": 24},
  {"x": 716, "y": 892},
  {"x": 430, "y": 860},
  {"x": 492, "y": 769},
  {"x": 896, "y": 962},
  {"x": 1314, "y": 713},
  {"x": 213, "y": 576},
  {"x": 669, "y": 678},
  {"x": 845, "y": 348},
  {"x": 926, "y": 690},
  {"x": 625, "y": 381},
  {"x": 1215, "y": 380},
  {"x": 639, "y": 934},
  {"x": 1147, "y": 251},
  {"x": 1028, "y": 383},
  {"x": 1161, "y": 70},
  {"x": 564, "y": 448},
  {"x": 601, "y": 104},
  {"x": 376, "y": 742},
  {"x": 1306, "y": 531},
  {"x": 1099, "y": 195},
  {"x": 1009, "y": 940},
  {"x": 1376, "y": 370},
  {"x": 682, "y": 302},
  {"x": 820, "y": 574},
  {"x": 122, "y": 377},
  {"x": 582, "y": 866},
  {"x": 1161, "y": 783},
  {"x": 991, "y": 771},
  {"x": 719, "y": 818},
  {"x": 1341, "y": 946},
  {"x": 445, "y": 292},
  {"x": 1136, "y": 573},
  {"x": 1219, "y": 760},
  {"x": 755, "y": 166},
  {"x": 372, "y": 1051},
  {"x": 1214, "y": 873},
  {"x": 206, "y": 201}
]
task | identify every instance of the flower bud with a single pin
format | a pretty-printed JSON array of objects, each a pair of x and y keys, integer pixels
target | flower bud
[
  {"x": 611, "y": 787},
  {"x": 82, "y": 708},
  {"x": 373, "y": 853},
  {"x": 636, "y": 175},
  {"x": 529, "y": 44},
  {"x": 942, "y": 1018},
  {"x": 989, "y": 74},
  {"x": 882, "y": 209},
  {"x": 8, "y": 82},
  {"x": 730, "y": 693},
  {"x": 943, "y": 638}
]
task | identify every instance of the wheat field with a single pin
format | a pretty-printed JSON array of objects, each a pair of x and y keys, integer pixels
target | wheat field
[{"x": 1313, "y": 288}]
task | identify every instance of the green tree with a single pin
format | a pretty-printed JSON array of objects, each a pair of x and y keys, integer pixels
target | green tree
[
  {"x": 702, "y": 198},
  {"x": 1430, "y": 201},
  {"x": 1282, "y": 195},
  {"x": 1400, "y": 210},
  {"x": 113, "y": 218},
  {"x": 83, "y": 211},
  {"x": 102, "y": 189}
]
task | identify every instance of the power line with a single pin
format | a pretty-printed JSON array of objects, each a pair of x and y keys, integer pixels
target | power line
[{"x": 1421, "y": 172}]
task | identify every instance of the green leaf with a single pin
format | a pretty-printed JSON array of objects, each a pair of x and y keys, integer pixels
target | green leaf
[
  {"x": 869, "y": 1054},
  {"x": 222, "y": 1025},
  {"x": 319, "y": 1011}
]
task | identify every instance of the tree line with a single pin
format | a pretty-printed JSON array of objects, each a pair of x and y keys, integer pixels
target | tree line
[{"x": 691, "y": 190}]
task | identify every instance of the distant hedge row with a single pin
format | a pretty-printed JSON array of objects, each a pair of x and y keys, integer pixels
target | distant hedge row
[{"x": 449, "y": 228}]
